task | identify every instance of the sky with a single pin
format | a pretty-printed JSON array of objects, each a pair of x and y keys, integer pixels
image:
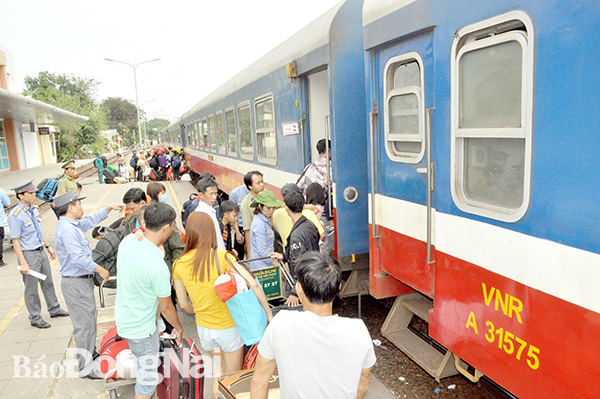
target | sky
[{"x": 201, "y": 43}]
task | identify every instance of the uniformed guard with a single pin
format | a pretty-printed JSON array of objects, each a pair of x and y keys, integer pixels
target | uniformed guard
[
  {"x": 77, "y": 269},
  {"x": 25, "y": 225},
  {"x": 98, "y": 163},
  {"x": 67, "y": 182}
]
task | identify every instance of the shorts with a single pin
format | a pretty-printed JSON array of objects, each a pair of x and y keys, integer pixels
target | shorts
[
  {"x": 229, "y": 339},
  {"x": 146, "y": 352}
]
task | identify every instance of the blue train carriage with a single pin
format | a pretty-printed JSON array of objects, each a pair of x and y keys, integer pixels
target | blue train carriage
[
  {"x": 270, "y": 116},
  {"x": 172, "y": 135},
  {"x": 483, "y": 180}
]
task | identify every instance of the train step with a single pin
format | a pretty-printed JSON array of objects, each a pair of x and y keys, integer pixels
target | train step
[{"x": 395, "y": 329}]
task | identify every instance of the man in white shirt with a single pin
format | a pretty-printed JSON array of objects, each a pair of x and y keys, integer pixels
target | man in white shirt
[
  {"x": 207, "y": 195},
  {"x": 318, "y": 355}
]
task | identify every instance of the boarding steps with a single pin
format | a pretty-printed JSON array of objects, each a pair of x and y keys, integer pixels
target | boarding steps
[{"x": 395, "y": 329}]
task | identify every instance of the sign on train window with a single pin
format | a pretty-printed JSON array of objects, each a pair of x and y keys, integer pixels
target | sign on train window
[
  {"x": 245, "y": 128},
  {"x": 492, "y": 107},
  {"x": 220, "y": 133},
  {"x": 404, "y": 109},
  {"x": 231, "y": 135},
  {"x": 205, "y": 143},
  {"x": 266, "y": 142},
  {"x": 212, "y": 138}
]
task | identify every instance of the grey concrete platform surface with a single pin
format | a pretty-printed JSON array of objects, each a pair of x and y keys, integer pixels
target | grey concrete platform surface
[{"x": 46, "y": 349}]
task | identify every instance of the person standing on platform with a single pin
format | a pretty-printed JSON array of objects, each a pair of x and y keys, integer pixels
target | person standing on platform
[
  {"x": 303, "y": 238},
  {"x": 318, "y": 354},
  {"x": 144, "y": 288},
  {"x": 208, "y": 190},
  {"x": 77, "y": 269},
  {"x": 237, "y": 195},
  {"x": 25, "y": 225},
  {"x": 98, "y": 163},
  {"x": 262, "y": 235},
  {"x": 5, "y": 201},
  {"x": 230, "y": 212},
  {"x": 67, "y": 182},
  {"x": 255, "y": 183}
]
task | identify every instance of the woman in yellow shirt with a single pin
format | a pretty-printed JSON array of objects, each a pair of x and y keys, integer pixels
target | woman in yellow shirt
[{"x": 194, "y": 274}]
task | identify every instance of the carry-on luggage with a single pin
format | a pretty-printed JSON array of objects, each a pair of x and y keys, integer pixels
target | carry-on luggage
[
  {"x": 108, "y": 176},
  {"x": 182, "y": 370},
  {"x": 237, "y": 385},
  {"x": 111, "y": 348}
]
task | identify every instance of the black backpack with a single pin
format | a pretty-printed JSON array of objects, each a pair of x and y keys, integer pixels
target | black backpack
[
  {"x": 109, "y": 176},
  {"x": 104, "y": 161},
  {"x": 189, "y": 206},
  {"x": 105, "y": 254},
  {"x": 133, "y": 161},
  {"x": 47, "y": 189},
  {"x": 175, "y": 162}
]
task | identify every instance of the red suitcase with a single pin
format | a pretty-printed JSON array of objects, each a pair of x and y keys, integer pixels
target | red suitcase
[
  {"x": 112, "y": 344},
  {"x": 182, "y": 370}
]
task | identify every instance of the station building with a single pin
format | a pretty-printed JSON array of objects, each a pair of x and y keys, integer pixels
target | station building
[{"x": 27, "y": 128}]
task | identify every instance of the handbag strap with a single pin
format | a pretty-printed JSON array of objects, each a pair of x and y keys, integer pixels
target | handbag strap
[{"x": 217, "y": 260}]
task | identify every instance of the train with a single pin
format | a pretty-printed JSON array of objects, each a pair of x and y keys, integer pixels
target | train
[{"x": 465, "y": 146}]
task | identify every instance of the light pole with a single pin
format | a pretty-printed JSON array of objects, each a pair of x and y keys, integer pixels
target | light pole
[
  {"x": 145, "y": 120},
  {"x": 136, "y": 92}
]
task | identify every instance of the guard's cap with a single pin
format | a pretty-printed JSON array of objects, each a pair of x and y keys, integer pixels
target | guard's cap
[
  {"x": 97, "y": 153},
  {"x": 66, "y": 198},
  {"x": 24, "y": 186},
  {"x": 267, "y": 198},
  {"x": 69, "y": 164}
]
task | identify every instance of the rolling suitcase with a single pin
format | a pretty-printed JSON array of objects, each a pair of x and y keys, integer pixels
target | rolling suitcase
[
  {"x": 182, "y": 370},
  {"x": 112, "y": 345}
]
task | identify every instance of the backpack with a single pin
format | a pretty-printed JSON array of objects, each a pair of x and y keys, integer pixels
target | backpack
[
  {"x": 47, "y": 189},
  {"x": 105, "y": 254},
  {"x": 189, "y": 206},
  {"x": 133, "y": 161},
  {"x": 176, "y": 162},
  {"x": 153, "y": 162},
  {"x": 104, "y": 161},
  {"x": 109, "y": 176}
]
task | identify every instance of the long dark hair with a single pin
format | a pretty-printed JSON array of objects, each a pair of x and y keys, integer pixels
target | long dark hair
[{"x": 200, "y": 235}]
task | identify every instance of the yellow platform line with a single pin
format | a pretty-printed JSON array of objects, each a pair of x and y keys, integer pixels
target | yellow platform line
[
  {"x": 17, "y": 308},
  {"x": 175, "y": 196}
]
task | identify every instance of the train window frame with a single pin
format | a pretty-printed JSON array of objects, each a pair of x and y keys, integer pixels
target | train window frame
[
  {"x": 220, "y": 150},
  {"x": 245, "y": 104},
  {"x": 390, "y": 93},
  {"x": 259, "y": 100},
  {"x": 205, "y": 138},
  {"x": 228, "y": 133},
  {"x": 212, "y": 134},
  {"x": 515, "y": 26},
  {"x": 197, "y": 134}
]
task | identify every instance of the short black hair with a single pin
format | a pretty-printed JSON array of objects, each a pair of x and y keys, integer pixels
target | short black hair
[
  {"x": 157, "y": 215},
  {"x": 206, "y": 175},
  {"x": 315, "y": 194},
  {"x": 322, "y": 147},
  {"x": 248, "y": 177},
  {"x": 205, "y": 183},
  {"x": 228, "y": 206},
  {"x": 319, "y": 276},
  {"x": 295, "y": 201},
  {"x": 141, "y": 212},
  {"x": 135, "y": 195}
]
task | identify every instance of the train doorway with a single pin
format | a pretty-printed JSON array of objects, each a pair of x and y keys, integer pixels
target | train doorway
[{"x": 318, "y": 112}]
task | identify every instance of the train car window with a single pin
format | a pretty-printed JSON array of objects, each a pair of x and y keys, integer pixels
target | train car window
[
  {"x": 220, "y": 133},
  {"x": 245, "y": 128},
  {"x": 231, "y": 134},
  {"x": 404, "y": 109},
  {"x": 205, "y": 135},
  {"x": 212, "y": 137},
  {"x": 492, "y": 109},
  {"x": 266, "y": 141},
  {"x": 197, "y": 135}
]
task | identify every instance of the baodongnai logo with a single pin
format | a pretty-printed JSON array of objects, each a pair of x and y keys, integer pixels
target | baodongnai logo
[{"x": 183, "y": 361}]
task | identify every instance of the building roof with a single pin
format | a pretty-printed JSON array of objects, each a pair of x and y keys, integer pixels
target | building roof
[{"x": 20, "y": 108}]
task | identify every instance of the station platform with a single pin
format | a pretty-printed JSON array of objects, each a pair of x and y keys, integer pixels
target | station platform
[{"x": 47, "y": 347}]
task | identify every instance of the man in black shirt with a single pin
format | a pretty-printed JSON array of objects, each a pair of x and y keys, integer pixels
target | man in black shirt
[{"x": 304, "y": 237}]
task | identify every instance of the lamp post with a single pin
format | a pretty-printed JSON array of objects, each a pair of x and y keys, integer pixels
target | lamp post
[
  {"x": 136, "y": 92},
  {"x": 145, "y": 120}
]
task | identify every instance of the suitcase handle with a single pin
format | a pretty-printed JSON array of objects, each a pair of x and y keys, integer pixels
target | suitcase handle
[
  {"x": 186, "y": 389},
  {"x": 101, "y": 291}
]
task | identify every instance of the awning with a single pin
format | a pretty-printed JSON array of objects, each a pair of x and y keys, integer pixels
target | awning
[{"x": 24, "y": 109}]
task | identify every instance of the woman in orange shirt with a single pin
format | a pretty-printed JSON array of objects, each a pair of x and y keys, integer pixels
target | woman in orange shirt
[{"x": 194, "y": 274}]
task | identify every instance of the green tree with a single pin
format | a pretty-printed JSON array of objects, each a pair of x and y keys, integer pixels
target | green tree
[
  {"x": 122, "y": 116},
  {"x": 154, "y": 127},
  {"x": 74, "y": 94}
]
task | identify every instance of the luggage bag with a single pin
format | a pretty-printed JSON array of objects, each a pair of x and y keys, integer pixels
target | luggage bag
[{"x": 184, "y": 383}]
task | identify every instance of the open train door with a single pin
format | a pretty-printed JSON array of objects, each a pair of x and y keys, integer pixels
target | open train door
[{"x": 401, "y": 166}]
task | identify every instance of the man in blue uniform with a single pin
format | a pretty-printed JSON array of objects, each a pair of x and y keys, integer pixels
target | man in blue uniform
[
  {"x": 77, "y": 270},
  {"x": 25, "y": 225}
]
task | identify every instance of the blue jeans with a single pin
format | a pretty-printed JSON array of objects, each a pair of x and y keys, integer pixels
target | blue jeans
[{"x": 145, "y": 351}]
